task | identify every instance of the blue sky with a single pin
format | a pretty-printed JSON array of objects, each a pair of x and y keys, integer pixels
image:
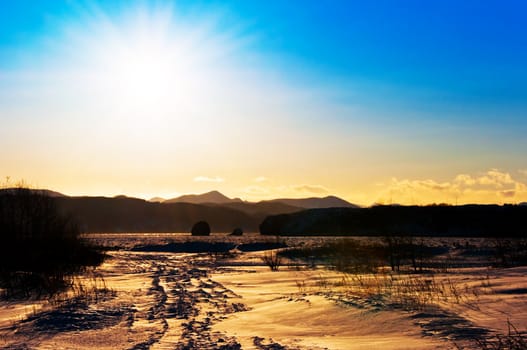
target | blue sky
[
  {"x": 447, "y": 53},
  {"x": 437, "y": 85}
]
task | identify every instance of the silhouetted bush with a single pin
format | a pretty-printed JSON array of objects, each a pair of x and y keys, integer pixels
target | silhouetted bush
[
  {"x": 39, "y": 247},
  {"x": 237, "y": 232},
  {"x": 201, "y": 228}
]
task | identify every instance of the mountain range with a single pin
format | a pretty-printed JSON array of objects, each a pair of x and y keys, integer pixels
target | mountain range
[
  {"x": 215, "y": 197},
  {"x": 127, "y": 214}
]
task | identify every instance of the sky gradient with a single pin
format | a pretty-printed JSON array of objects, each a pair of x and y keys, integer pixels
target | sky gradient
[{"x": 374, "y": 101}]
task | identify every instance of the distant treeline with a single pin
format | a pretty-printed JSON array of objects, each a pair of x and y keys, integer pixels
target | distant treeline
[{"x": 434, "y": 220}]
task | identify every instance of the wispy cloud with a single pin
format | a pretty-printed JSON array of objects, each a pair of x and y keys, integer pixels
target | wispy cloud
[
  {"x": 508, "y": 193},
  {"x": 209, "y": 179},
  {"x": 260, "y": 179},
  {"x": 284, "y": 191},
  {"x": 256, "y": 190},
  {"x": 316, "y": 189}
]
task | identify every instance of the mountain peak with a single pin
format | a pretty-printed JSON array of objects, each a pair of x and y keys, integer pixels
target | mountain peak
[
  {"x": 213, "y": 197},
  {"x": 157, "y": 200}
]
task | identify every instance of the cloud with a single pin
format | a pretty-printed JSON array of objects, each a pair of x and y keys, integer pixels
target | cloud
[
  {"x": 208, "y": 179},
  {"x": 318, "y": 189},
  {"x": 284, "y": 191},
  {"x": 402, "y": 185},
  {"x": 256, "y": 190},
  {"x": 523, "y": 172},
  {"x": 260, "y": 179},
  {"x": 520, "y": 187},
  {"x": 492, "y": 186},
  {"x": 508, "y": 193},
  {"x": 496, "y": 178},
  {"x": 465, "y": 179}
]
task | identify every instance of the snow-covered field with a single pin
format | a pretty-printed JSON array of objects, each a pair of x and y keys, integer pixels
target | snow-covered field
[{"x": 163, "y": 300}]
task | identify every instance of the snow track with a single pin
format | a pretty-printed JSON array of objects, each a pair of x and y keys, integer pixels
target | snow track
[{"x": 154, "y": 301}]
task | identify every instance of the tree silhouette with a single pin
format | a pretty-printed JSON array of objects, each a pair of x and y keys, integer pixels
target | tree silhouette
[{"x": 40, "y": 247}]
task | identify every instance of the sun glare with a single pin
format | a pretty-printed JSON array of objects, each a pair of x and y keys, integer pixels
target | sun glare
[{"x": 151, "y": 74}]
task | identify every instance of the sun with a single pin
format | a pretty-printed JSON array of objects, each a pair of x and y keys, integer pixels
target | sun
[{"x": 144, "y": 74}]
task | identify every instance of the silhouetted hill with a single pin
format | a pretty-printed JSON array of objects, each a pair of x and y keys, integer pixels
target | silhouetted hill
[
  {"x": 127, "y": 214},
  {"x": 122, "y": 214},
  {"x": 313, "y": 202},
  {"x": 157, "y": 200},
  {"x": 214, "y": 197},
  {"x": 44, "y": 192},
  {"x": 468, "y": 220},
  {"x": 262, "y": 209}
]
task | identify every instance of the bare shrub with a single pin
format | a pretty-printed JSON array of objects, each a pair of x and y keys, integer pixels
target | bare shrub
[
  {"x": 272, "y": 260},
  {"x": 509, "y": 253}
]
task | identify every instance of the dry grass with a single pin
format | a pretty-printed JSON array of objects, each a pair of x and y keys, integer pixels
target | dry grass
[
  {"x": 411, "y": 292},
  {"x": 513, "y": 340}
]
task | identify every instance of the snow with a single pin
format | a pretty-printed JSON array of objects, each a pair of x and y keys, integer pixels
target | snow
[{"x": 162, "y": 300}]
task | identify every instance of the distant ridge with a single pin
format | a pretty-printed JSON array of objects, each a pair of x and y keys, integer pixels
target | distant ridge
[
  {"x": 212, "y": 197},
  {"x": 157, "y": 200},
  {"x": 314, "y": 202},
  {"x": 216, "y": 197}
]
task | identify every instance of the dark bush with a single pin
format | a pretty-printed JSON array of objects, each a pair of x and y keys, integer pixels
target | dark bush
[
  {"x": 237, "y": 232},
  {"x": 201, "y": 228}
]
